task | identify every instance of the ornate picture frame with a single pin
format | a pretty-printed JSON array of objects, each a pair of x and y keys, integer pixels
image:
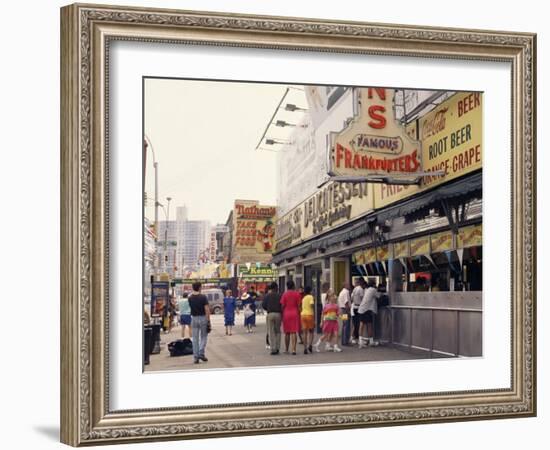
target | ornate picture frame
[{"x": 86, "y": 34}]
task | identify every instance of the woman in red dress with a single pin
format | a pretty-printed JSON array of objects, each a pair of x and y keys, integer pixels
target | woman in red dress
[{"x": 290, "y": 305}]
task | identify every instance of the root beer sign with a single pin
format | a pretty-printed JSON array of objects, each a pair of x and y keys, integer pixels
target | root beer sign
[
  {"x": 374, "y": 143},
  {"x": 452, "y": 143}
]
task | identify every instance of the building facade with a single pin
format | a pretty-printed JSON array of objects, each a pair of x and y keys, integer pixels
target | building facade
[{"x": 409, "y": 239}]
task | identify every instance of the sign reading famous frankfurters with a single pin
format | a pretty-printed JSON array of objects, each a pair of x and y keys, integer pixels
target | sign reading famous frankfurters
[{"x": 374, "y": 143}]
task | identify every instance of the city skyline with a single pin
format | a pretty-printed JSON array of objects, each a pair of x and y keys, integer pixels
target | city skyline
[{"x": 204, "y": 134}]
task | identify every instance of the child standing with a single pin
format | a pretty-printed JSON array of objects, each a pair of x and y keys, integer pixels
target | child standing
[{"x": 330, "y": 324}]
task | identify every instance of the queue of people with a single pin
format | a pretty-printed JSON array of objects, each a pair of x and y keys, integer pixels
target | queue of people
[{"x": 348, "y": 315}]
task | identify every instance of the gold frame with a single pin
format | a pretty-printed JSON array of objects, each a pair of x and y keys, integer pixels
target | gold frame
[{"x": 86, "y": 31}]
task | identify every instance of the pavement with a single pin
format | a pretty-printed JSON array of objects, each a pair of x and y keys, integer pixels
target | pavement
[{"x": 249, "y": 350}]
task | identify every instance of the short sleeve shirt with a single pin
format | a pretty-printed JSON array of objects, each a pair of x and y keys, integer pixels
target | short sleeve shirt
[
  {"x": 198, "y": 302},
  {"x": 307, "y": 305},
  {"x": 183, "y": 306},
  {"x": 330, "y": 312}
]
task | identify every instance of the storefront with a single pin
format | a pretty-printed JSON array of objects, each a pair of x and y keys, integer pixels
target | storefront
[
  {"x": 409, "y": 239},
  {"x": 256, "y": 276}
]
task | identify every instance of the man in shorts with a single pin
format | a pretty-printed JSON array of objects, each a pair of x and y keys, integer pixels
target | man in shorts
[{"x": 367, "y": 311}]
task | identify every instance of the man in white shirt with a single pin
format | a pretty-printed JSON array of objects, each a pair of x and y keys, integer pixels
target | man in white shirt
[
  {"x": 356, "y": 299},
  {"x": 344, "y": 302},
  {"x": 367, "y": 312}
]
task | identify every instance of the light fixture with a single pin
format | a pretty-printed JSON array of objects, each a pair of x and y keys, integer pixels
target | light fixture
[
  {"x": 291, "y": 107},
  {"x": 269, "y": 141}
]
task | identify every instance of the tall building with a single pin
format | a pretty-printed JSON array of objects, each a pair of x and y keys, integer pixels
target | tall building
[
  {"x": 195, "y": 243},
  {"x": 181, "y": 218},
  {"x": 167, "y": 246}
]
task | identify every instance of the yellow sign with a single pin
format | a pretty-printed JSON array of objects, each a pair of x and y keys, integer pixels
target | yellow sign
[
  {"x": 442, "y": 241},
  {"x": 451, "y": 137},
  {"x": 469, "y": 236},
  {"x": 401, "y": 249},
  {"x": 383, "y": 253},
  {"x": 374, "y": 143},
  {"x": 370, "y": 255},
  {"x": 359, "y": 258},
  {"x": 333, "y": 205},
  {"x": 253, "y": 231},
  {"x": 420, "y": 246}
]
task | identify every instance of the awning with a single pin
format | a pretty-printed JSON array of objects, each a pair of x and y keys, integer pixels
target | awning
[{"x": 459, "y": 190}]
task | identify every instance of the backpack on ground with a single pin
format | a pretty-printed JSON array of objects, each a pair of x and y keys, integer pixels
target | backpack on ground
[{"x": 181, "y": 347}]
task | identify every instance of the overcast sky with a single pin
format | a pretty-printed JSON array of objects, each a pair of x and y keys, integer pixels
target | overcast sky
[{"x": 204, "y": 134}]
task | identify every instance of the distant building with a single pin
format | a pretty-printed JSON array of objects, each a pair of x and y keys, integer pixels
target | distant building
[{"x": 167, "y": 246}]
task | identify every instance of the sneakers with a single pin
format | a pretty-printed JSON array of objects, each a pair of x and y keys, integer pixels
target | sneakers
[
  {"x": 353, "y": 341},
  {"x": 328, "y": 347},
  {"x": 316, "y": 347},
  {"x": 336, "y": 349}
]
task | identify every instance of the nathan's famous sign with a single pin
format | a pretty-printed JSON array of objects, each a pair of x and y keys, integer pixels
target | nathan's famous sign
[
  {"x": 253, "y": 231},
  {"x": 374, "y": 143}
]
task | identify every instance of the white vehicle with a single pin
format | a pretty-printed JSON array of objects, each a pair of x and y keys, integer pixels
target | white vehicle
[{"x": 215, "y": 299}]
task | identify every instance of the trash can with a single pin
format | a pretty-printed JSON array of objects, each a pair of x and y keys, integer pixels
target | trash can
[
  {"x": 147, "y": 343},
  {"x": 155, "y": 339}
]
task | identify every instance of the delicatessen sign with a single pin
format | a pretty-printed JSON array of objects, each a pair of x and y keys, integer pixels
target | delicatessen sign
[{"x": 331, "y": 206}]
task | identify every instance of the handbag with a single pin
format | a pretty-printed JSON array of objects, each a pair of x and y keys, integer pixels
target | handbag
[{"x": 248, "y": 311}]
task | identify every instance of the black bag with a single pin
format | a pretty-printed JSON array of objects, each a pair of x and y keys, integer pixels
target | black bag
[
  {"x": 383, "y": 300},
  {"x": 181, "y": 347}
]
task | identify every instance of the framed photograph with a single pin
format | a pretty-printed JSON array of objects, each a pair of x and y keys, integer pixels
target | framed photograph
[{"x": 278, "y": 224}]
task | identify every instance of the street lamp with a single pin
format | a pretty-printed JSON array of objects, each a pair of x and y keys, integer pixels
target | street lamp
[
  {"x": 167, "y": 214},
  {"x": 148, "y": 144}
]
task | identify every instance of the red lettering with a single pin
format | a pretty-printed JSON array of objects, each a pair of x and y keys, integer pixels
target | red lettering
[
  {"x": 339, "y": 156},
  {"x": 357, "y": 161},
  {"x": 380, "y": 91},
  {"x": 347, "y": 159},
  {"x": 379, "y": 121}
]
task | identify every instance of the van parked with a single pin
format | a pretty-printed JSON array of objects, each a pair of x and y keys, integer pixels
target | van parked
[{"x": 215, "y": 299}]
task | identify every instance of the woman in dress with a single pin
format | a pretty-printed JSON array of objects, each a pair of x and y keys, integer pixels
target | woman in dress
[
  {"x": 229, "y": 306},
  {"x": 290, "y": 304},
  {"x": 249, "y": 311}
]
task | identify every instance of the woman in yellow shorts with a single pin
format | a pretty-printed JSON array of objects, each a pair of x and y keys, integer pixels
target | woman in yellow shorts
[{"x": 307, "y": 319}]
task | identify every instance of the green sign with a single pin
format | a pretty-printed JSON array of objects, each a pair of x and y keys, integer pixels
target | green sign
[{"x": 256, "y": 272}]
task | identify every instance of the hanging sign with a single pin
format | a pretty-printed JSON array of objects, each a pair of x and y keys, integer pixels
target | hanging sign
[
  {"x": 383, "y": 253},
  {"x": 401, "y": 249},
  {"x": 469, "y": 236},
  {"x": 374, "y": 143},
  {"x": 370, "y": 255},
  {"x": 442, "y": 241},
  {"x": 420, "y": 246}
]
